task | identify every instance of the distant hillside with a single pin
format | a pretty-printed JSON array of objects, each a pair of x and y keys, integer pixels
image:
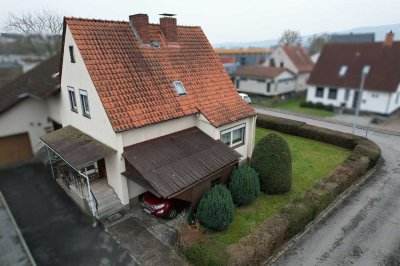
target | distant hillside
[{"x": 380, "y": 32}]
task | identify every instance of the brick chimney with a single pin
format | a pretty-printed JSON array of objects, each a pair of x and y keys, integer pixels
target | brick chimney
[
  {"x": 168, "y": 27},
  {"x": 389, "y": 39},
  {"x": 140, "y": 23}
]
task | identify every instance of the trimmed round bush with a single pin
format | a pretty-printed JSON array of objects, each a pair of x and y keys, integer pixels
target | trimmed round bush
[
  {"x": 273, "y": 161},
  {"x": 215, "y": 209},
  {"x": 244, "y": 185}
]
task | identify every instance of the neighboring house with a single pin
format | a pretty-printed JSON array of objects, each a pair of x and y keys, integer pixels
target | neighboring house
[
  {"x": 29, "y": 108},
  {"x": 229, "y": 63},
  {"x": 245, "y": 57},
  {"x": 294, "y": 58},
  {"x": 267, "y": 81},
  {"x": 336, "y": 77},
  {"x": 146, "y": 107},
  {"x": 352, "y": 38},
  {"x": 9, "y": 71}
]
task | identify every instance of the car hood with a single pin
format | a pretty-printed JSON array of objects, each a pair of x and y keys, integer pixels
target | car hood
[{"x": 152, "y": 199}]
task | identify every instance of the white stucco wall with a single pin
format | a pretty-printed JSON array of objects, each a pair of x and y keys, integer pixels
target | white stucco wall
[
  {"x": 98, "y": 126},
  {"x": 53, "y": 107},
  {"x": 30, "y": 116},
  {"x": 277, "y": 87},
  {"x": 394, "y": 102},
  {"x": 301, "y": 81},
  {"x": 372, "y": 101}
]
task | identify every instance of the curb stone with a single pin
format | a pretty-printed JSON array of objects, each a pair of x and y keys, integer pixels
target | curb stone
[{"x": 329, "y": 210}]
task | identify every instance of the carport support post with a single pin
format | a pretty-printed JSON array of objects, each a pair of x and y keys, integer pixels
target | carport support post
[
  {"x": 51, "y": 163},
  {"x": 91, "y": 201}
]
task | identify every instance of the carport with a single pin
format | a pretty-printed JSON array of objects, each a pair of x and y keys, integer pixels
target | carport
[{"x": 181, "y": 165}]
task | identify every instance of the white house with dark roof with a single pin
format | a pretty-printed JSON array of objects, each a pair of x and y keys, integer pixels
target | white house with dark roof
[
  {"x": 266, "y": 81},
  {"x": 129, "y": 86},
  {"x": 336, "y": 78}
]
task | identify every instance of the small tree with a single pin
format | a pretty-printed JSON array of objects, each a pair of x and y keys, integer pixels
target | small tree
[
  {"x": 290, "y": 37},
  {"x": 244, "y": 185},
  {"x": 216, "y": 208},
  {"x": 317, "y": 42},
  {"x": 273, "y": 161}
]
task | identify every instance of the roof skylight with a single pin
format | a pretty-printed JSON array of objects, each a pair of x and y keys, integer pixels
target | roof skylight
[
  {"x": 343, "y": 71},
  {"x": 178, "y": 86}
]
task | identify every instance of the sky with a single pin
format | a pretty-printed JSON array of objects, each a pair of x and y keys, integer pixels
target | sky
[{"x": 233, "y": 20}]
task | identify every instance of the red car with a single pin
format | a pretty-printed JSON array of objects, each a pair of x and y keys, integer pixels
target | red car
[{"x": 163, "y": 208}]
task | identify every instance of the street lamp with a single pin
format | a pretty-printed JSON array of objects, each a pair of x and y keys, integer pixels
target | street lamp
[{"x": 364, "y": 73}]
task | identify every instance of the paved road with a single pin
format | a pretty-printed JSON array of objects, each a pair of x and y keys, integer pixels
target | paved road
[
  {"x": 56, "y": 232},
  {"x": 365, "y": 228}
]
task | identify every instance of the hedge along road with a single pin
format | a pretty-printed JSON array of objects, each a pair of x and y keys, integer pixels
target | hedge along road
[{"x": 365, "y": 228}]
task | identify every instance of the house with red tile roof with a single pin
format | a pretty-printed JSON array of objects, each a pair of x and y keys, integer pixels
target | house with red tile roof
[
  {"x": 145, "y": 107},
  {"x": 294, "y": 58},
  {"x": 265, "y": 80},
  {"x": 337, "y": 76}
]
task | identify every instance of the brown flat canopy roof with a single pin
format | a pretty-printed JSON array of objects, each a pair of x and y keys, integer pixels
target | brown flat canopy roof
[
  {"x": 75, "y": 147},
  {"x": 175, "y": 162}
]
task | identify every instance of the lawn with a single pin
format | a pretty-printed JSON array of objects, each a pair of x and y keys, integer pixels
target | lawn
[
  {"x": 312, "y": 160},
  {"x": 291, "y": 105}
]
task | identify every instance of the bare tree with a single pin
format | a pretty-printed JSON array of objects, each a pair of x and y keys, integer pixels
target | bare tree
[
  {"x": 44, "y": 21},
  {"x": 290, "y": 37},
  {"x": 42, "y": 29},
  {"x": 317, "y": 42}
]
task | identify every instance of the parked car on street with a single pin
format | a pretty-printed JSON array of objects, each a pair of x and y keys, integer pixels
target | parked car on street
[
  {"x": 245, "y": 97},
  {"x": 162, "y": 208}
]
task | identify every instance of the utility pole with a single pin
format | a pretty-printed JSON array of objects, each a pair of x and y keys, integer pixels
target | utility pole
[{"x": 364, "y": 73}]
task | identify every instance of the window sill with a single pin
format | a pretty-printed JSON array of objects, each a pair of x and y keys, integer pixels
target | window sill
[
  {"x": 74, "y": 110},
  {"x": 237, "y": 145},
  {"x": 86, "y": 115}
]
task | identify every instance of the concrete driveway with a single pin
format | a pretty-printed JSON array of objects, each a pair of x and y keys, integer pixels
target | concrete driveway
[
  {"x": 365, "y": 228},
  {"x": 55, "y": 230}
]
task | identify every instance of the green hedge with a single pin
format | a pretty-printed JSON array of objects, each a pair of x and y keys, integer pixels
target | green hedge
[
  {"x": 272, "y": 160},
  {"x": 244, "y": 185},
  {"x": 206, "y": 254},
  {"x": 320, "y": 106},
  {"x": 295, "y": 216},
  {"x": 216, "y": 209}
]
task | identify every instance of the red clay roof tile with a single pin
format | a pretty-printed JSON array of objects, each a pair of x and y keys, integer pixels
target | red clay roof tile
[{"x": 134, "y": 82}]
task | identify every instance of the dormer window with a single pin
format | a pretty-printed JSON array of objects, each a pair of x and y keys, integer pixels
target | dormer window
[
  {"x": 342, "y": 71},
  {"x": 71, "y": 54},
  {"x": 178, "y": 86}
]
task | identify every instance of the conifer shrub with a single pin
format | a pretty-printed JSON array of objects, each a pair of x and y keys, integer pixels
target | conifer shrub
[
  {"x": 216, "y": 209},
  {"x": 244, "y": 185},
  {"x": 273, "y": 161}
]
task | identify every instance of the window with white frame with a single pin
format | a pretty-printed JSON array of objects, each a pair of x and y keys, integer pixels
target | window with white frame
[
  {"x": 234, "y": 136},
  {"x": 85, "y": 103},
  {"x": 72, "y": 99}
]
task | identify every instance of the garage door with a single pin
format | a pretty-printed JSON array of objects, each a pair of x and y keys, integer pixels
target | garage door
[{"x": 15, "y": 148}]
